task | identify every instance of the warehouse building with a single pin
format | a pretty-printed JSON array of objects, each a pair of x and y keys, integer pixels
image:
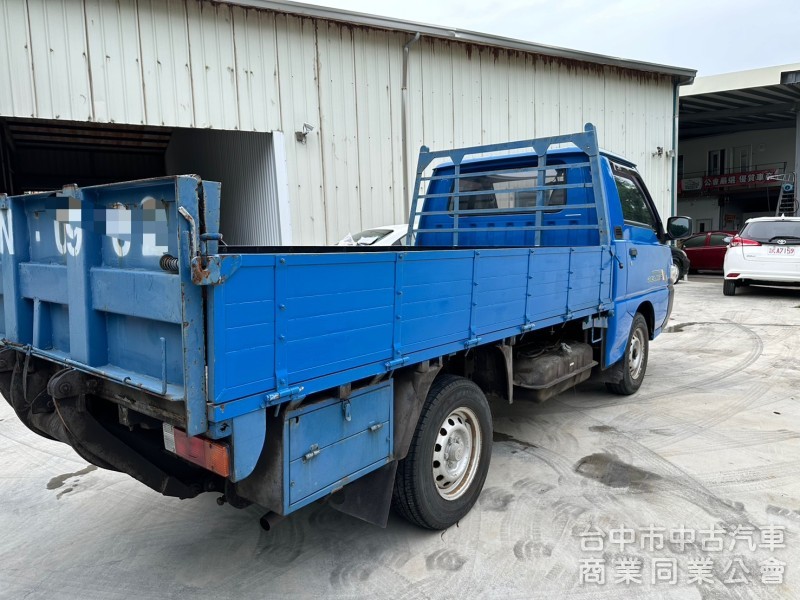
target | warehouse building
[
  {"x": 310, "y": 117},
  {"x": 739, "y": 147}
]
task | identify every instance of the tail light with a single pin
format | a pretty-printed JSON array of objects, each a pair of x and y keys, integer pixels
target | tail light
[
  {"x": 209, "y": 454},
  {"x": 740, "y": 241}
]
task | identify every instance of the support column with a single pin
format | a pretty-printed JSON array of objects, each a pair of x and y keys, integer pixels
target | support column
[
  {"x": 796, "y": 151},
  {"x": 792, "y": 79}
]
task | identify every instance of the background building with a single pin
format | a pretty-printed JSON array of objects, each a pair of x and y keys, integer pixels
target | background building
[
  {"x": 311, "y": 117},
  {"x": 737, "y": 132}
]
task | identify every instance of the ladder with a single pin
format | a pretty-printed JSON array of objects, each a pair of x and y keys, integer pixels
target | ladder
[{"x": 787, "y": 199}]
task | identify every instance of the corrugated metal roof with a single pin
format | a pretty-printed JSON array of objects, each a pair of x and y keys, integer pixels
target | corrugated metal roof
[
  {"x": 738, "y": 80},
  {"x": 760, "y": 102},
  {"x": 685, "y": 75},
  {"x": 24, "y": 133}
]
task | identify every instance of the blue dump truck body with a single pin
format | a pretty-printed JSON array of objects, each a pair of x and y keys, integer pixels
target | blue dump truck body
[{"x": 278, "y": 376}]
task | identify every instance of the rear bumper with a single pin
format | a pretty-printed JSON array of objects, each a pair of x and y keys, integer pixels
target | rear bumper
[
  {"x": 766, "y": 277},
  {"x": 782, "y": 270}
]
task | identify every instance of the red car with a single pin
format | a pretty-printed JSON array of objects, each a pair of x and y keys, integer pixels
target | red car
[{"x": 706, "y": 251}]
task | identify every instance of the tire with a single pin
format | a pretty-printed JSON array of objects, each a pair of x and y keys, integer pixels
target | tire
[
  {"x": 429, "y": 490},
  {"x": 681, "y": 272},
  {"x": 634, "y": 362},
  {"x": 729, "y": 287},
  {"x": 674, "y": 272}
]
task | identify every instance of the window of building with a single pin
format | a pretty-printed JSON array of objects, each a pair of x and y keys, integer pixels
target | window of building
[
  {"x": 741, "y": 158},
  {"x": 716, "y": 162}
]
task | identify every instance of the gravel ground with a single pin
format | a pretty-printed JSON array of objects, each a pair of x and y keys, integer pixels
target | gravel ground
[{"x": 699, "y": 470}]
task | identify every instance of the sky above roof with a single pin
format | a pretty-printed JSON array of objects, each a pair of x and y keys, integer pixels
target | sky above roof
[{"x": 712, "y": 36}]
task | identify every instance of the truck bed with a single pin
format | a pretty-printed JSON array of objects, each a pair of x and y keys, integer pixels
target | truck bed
[{"x": 317, "y": 320}]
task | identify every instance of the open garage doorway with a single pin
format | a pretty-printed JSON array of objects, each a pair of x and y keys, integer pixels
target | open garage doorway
[{"x": 39, "y": 155}]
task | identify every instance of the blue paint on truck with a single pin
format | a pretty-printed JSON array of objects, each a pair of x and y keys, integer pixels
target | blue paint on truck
[{"x": 282, "y": 375}]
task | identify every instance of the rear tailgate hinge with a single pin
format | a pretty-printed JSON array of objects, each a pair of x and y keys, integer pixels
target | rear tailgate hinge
[
  {"x": 69, "y": 383},
  {"x": 292, "y": 393},
  {"x": 214, "y": 269},
  {"x": 391, "y": 365},
  {"x": 471, "y": 343}
]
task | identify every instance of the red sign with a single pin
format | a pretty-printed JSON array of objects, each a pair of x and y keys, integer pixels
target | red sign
[{"x": 745, "y": 178}]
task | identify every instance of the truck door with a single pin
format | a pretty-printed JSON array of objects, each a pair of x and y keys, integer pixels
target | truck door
[{"x": 647, "y": 260}]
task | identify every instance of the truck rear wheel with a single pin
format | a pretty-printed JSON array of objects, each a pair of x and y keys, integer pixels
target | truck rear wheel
[
  {"x": 634, "y": 362},
  {"x": 443, "y": 474}
]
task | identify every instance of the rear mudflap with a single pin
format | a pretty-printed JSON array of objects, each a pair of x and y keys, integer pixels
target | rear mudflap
[{"x": 48, "y": 401}]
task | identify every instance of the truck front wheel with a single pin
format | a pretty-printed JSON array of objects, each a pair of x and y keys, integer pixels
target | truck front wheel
[
  {"x": 443, "y": 474},
  {"x": 634, "y": 363}
]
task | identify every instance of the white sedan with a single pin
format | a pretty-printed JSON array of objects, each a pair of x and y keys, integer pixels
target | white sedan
[
  {"x": 766, "y": 251},
  {"x": 386, "y": 235}
]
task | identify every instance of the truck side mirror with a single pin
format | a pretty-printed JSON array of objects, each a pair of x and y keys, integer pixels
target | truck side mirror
[{"x": 679, "y": 228}]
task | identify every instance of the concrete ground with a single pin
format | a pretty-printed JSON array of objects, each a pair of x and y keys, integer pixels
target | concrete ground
[{"x": 709, "y": 448}]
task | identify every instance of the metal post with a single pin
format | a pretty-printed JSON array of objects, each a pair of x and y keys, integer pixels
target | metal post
[
  {"x": 796, "y": 153},
  {"x": 404, "y": 120},
  {"x": 675, "y": 143}
]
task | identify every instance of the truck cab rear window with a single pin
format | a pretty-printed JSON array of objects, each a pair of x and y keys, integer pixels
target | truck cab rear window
[{"x": 507, "y": 190}]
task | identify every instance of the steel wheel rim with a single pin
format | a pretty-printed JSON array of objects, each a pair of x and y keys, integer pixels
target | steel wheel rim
[
  {"x": 636, "y": 354},
  {"x": 456, "y": 453}
]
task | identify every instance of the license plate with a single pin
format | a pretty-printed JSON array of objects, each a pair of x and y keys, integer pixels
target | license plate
[{"x": 782, "y": 250}]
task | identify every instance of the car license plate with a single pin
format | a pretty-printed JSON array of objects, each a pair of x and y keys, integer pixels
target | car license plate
[{"x": 782, "y": 250}]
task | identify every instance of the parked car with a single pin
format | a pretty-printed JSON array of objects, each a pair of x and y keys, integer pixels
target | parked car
[
  {"x": 385, "y": 235},
  {"x": 706, "y": 250},
  {"x": 767, "y": 251},
  {"x": 680, "y": 264},
  {"x": 394, "y": 235}
]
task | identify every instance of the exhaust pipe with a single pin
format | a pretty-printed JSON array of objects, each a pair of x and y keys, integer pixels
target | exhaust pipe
[{"x": 269, "y": 520}]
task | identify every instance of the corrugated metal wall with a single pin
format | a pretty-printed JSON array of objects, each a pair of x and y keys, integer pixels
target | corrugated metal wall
[
  {"x": 186, "y": 63},
  {"x": 245, "y": 163}
]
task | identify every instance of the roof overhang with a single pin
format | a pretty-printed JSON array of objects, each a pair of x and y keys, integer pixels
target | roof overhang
[
  {"x": 744, "y": 101},
  {"x": 681, "y": 76}
]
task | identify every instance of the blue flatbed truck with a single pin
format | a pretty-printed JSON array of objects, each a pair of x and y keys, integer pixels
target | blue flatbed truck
[{"x": 278, "y": 376}]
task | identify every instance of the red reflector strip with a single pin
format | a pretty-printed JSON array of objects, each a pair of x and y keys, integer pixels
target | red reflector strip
[
  {"x": 205, "y": 453},
  {"x": 732, "y": 275}
]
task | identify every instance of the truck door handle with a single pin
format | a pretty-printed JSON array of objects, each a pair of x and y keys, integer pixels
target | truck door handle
[{"x": 633, "y": 252}]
